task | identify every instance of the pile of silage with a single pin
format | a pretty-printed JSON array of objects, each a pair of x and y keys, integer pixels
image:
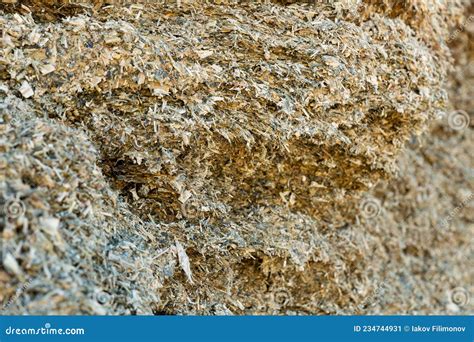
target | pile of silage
[
  {"x": 278, "y": 106},
  {"x": 426, "y": 213},
  {"x": 237, "y": 132},
  {"x": 66, "y": 237}
]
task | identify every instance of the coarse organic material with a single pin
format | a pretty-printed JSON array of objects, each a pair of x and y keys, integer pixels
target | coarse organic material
[
  {"x": 278, "y": 105},
  {"x": 234, "y": 158}
]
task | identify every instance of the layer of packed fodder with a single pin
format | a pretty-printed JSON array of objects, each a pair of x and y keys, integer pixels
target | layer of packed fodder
[
  {"x": 67, "y": 243},
  {"x": 212, "y": 158},
  {"x": 277, "y": 105}
]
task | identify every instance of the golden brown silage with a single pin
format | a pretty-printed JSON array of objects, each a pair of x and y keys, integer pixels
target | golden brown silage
[{"x": 253, "y": 248}]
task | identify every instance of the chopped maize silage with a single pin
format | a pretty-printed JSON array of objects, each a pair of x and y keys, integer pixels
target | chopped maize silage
[
  {"x": 246, "y": 204},
  {"x": 277, "y": 106}
]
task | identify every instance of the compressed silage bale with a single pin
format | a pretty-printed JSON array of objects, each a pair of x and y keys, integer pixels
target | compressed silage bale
[
  {"x": 260, "y": 246},
  {"x": 278, "y": 105},
  {"x": 66, "y": 246}
]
